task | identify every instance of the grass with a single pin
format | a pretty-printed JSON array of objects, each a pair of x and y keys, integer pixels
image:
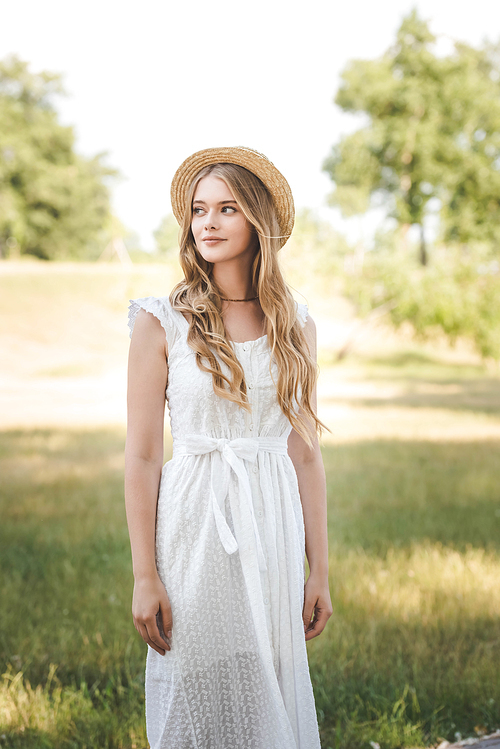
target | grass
[
  {"x": 407, "y": 364},
  {"x": 73, "y": 316},
  {"x": 410, "y": 655},
  {"x": 71, "y": 659}
]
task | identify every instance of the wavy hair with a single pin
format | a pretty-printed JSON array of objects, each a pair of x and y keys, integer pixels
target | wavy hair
[{"x": 198, "y": 295}]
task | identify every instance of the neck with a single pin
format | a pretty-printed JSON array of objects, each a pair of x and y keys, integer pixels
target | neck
[{"x": 234, "y": 279}]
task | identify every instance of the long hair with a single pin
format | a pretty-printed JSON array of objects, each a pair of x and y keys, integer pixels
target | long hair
[{"x": 199, "y": 296}]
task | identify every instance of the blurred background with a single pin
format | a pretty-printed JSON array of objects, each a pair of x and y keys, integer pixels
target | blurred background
[{"x": 385, "y": 119}]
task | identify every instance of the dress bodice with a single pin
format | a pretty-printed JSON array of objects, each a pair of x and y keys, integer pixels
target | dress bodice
[{"x": 194, "y": 407}]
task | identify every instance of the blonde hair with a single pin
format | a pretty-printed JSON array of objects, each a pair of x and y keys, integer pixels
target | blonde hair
[{"x": 199, "y": 296}]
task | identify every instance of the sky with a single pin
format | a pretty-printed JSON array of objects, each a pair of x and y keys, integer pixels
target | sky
[{"x": 151, "y": 82}]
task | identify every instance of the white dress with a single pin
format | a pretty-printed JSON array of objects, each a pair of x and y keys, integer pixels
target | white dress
[{"x": 230, "y": 552}]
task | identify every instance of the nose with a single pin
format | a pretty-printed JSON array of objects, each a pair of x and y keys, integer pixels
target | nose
[{"x": 210, "y": 220}]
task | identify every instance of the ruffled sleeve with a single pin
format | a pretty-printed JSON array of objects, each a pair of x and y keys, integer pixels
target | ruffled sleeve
[
  {"x": 302, "y": 312},
  {"x": 160, "y": 308}
]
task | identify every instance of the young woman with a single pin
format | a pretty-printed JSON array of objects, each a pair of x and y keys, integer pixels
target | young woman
[{"x": 218, "y": 534}]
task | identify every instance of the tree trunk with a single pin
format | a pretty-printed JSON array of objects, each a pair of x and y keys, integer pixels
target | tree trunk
[{"x": 424, "y": 258}]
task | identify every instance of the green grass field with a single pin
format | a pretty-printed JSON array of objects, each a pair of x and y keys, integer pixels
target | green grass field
[
  {"x": 412, "y": 650},
  {"x": 411, "y": 655}
]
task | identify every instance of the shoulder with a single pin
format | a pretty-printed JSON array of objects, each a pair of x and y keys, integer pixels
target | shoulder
[
  {"x": 155, "y": 305},
  {"x": 302, "y": 313},
  {"x": 310, "y": 335},
  {"x": 310, "y": 327},
  {"x": 305, "y": 319},
  {"x": 146, "y": 328},
  {"x": 159, "y": 318},
  {"x": 307, "y": 324}
]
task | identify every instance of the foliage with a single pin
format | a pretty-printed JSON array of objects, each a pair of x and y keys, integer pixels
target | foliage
[
  {"x": 457, "y": 296},
  {"x": 432, "y": 132},
  {"x": 471, "y": 112},
  {"x": 54, "y": 203}
]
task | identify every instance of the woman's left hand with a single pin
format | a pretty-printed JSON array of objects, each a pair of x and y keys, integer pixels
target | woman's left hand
[{"x": 317, "y": 605}]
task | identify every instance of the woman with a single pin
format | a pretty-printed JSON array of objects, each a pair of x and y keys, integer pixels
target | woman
[{"x": 218, "y": 534}]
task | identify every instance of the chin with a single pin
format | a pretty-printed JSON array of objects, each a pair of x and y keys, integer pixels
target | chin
[{"x": 212, "y": 256}]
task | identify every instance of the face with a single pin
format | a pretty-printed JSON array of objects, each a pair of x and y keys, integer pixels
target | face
[{"x": 221, "y": 231}]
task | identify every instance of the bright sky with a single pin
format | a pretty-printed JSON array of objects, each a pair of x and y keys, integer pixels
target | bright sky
[{"x": 153, "y": 81}]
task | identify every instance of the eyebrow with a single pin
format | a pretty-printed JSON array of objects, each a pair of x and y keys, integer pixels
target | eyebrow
[{"x": 221, "y": 202}]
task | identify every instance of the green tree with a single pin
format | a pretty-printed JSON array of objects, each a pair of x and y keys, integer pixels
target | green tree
[
  {"x": 455, "y": 297},
  {"x": 432, "y": 131},
  {"x": 54, "y": 203},
  {"x": 471, "y": 124}
]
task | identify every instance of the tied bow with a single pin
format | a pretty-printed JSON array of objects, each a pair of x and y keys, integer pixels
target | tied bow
[{"x": 233, "y": 453}]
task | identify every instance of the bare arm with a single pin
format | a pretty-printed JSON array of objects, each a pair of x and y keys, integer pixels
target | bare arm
[
  {"x": 147, "y": 380},
  {"x": 308, "y": 464}
]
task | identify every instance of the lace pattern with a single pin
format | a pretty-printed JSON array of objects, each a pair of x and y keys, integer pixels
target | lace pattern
[{"x": 237, "y": 674}]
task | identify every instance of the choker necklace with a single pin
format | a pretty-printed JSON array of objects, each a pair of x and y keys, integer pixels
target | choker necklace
[{"x": 252, "y": 299}]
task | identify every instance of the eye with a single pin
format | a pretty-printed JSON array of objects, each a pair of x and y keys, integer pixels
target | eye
[
  {"x": 228, "y": 208},
  {"x": 197, "y": 211}
]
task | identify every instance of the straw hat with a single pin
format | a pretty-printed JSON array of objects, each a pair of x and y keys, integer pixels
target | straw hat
[{"x": 252, "y": 160}]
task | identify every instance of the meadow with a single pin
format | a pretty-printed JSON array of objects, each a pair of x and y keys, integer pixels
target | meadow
[{"x": 411, "y": 653}]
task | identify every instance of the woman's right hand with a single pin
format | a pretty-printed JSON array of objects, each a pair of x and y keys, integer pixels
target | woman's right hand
[{"x": 150, "y": 606}]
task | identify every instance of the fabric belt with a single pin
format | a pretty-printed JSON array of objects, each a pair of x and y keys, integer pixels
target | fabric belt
[{"x": 233, "y": 453}]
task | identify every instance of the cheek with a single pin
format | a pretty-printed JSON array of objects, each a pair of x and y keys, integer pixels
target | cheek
[
  {"x": 195, "y": 228},
  {"x": 244, "y": 232}
]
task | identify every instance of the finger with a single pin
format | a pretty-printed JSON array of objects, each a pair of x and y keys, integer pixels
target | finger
[
  {"x": 316, "y": 614},
  {"x": 161, "y": 629},
  {"x": 307, "y": 612},
  {"x": 143, "y": 631},
  {"x": 166, "y": 618},
  {"x": 156, "y": 641},
  {"x": 318, "y": 624}
]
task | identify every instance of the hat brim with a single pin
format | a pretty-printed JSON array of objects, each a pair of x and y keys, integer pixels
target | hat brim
[{"x": 252, "y": 160}]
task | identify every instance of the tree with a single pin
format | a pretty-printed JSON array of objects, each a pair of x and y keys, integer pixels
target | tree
[
  {"x": 432, "y": 131},
  {"x": 471, "y": 121},
  {"x": 54, "y": 203},
  {"x": 455, "y": 297}
]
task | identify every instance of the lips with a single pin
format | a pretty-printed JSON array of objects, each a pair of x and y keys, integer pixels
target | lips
[{"x": 212, "y": 241}]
